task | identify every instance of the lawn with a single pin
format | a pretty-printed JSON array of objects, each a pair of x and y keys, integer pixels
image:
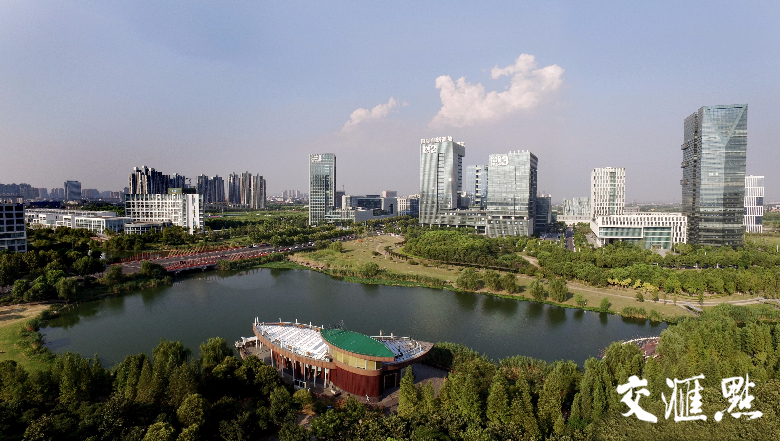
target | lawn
[
  {"x": 12, "y": 317},
  {"x": 356, "y": 253}
]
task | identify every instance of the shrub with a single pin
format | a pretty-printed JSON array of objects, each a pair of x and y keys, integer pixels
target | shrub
[
  {"x": 604, "y": 305},
  {"x": 640, "y": 297},
  {"x": 579, "y": 300}
]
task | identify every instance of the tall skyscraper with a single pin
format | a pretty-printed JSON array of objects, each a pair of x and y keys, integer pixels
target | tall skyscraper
[
  {"x": 512, "y": 190},
  {"x": 441, "y": 176},
  {"x": 72, "y": 190},
  {"x": 713, "y": 184},
  {"x": 607, "y": 191},
  {"x": 212, "y": 189},
  {"x": 322, "y": 186},
  {"x": 754, "y": 203},
  {"x": 147, "y": 180}
]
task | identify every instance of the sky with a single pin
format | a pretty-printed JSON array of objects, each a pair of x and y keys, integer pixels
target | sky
[{"x": 89, "y": 90}]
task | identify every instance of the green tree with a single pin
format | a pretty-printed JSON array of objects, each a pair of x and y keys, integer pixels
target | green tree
[
  {"x": 369, "y": 269},
  {"x": 536, "y": 288},
  {"x": 558, "y": 290},
  {"x": 498, "y": 401},
  {"x": 293, "y": 432},
  {"x": 604, "y": 305},
  {"x": 160, "y": 431},
  {"x": 492, "y": 280},
  {"x": 509, "y": 283},
  {"x": 113, "y": 275},
  {"x": 213, "y": 351},
  {"x": 408, "y": 395},
  {"x": 336, "y": 246},
  {"x": 468, "y": 279},
  {"x": 282, "y": 407},
  {"x": 152, "y": 270},
  {"x": 579, "y": 300}
]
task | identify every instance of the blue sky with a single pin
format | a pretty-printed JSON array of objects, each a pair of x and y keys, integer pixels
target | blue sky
[{"x": 91, "y": 89}]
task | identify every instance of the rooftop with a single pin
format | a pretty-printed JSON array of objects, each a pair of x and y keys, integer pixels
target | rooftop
[{"x": 356, "y": 343}]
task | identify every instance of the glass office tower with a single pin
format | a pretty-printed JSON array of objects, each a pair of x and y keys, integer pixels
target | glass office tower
[
  {"x": 476, "y": 185},
  {"x": 322, "y": 186},
  {"x": 512, "y": 187},
  {"x": 441, "y": 176},
  {"x": 713, "y": 184}
]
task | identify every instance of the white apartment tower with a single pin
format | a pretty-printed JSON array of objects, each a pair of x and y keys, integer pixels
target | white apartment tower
[
  {"x": 607, "y": 191},
  {"x": 754, "y": 203}
]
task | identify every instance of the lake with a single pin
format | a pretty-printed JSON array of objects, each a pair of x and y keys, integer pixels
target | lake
[{"x": 203, "y": 305}]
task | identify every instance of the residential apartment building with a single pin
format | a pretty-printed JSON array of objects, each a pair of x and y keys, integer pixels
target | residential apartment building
[
  {"x": 147, "y": 180},
  {"x": 247, "y": 190},
  {"x": 713, "y": 185},
  {"x": 212, "y": 189},
  {"x": 754, "y": 204}
]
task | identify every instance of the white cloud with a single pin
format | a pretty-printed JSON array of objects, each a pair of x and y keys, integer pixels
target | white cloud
[
  {"x": 464, "y": 103},
  {"x": 377, "y": 112}
]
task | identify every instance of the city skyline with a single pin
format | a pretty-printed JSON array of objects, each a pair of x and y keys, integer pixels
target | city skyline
[{"x": 91, "y": 91}]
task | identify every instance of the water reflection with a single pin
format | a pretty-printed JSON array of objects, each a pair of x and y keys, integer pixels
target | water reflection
[
  {"x": 203, "y": 306},
  {"x": 534, "y": 310},
  {"x": 556, "y": 315},
  {"x": 466, "y": 300}
]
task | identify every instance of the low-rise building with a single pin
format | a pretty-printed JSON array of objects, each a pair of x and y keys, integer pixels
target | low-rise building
[
  {"x": 654, "y": 230},
  {"x": 144, "y": 227}
]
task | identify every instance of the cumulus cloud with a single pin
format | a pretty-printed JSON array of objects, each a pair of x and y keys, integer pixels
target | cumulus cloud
[
  {"x": 464, "y": 103},
  {"x": 377, "y": 112}
]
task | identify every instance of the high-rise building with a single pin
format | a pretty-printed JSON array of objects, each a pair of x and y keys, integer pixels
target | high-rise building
[
  {"x": 147, "y": 180},
  {"x": 476, "y": 185},
  {"x": 72, "y": 190},
  {"x": 13, "y": 231},
  {"x": 511, "y": 198},
  {"x": 322, "y": 186},
  {"x": 57, "y": 193},
  {"x": 754, "y": 204},
  {"x": 607, "y": 191},
  {"x": 713, "y": 184},
  {"x": 212, "y": 189},
  {"x": 543, "y": 217},
  {"x": 441, "y": 176}
]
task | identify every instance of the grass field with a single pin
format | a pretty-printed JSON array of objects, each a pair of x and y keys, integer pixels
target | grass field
[
  {"x": 12, "y": 317},
  {"x": 764, "y": 239},
  {"x": 356, "y": 253}
]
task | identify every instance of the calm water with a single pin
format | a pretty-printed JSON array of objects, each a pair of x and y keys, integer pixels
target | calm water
[{"x": 208, "y": 305}]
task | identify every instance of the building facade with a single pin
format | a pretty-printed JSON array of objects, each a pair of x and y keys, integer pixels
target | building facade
[
  {"x": 575, "y": 210},
  {"x": 409, "y": 206},
  {"x": 177, "y": 207},
  {"x": 441, "y": 177},
  {"x": 334, "y": 357},
  {"x": 511, "y": 198},
  {"x": 607, "y": 191},
  {"x": 754, "y": 204},
  {"x": 212, "y": 189},
  {"x": 544, "y": 217},
  {"x": 713, "y": 184},
  {"x": 72, "y": 190},
  {"x": 477, "y": 185},
  {"x": 13, "y": 231},
  {"x": 653, "y": 230},
  {"x": 322, "y": 186}
]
